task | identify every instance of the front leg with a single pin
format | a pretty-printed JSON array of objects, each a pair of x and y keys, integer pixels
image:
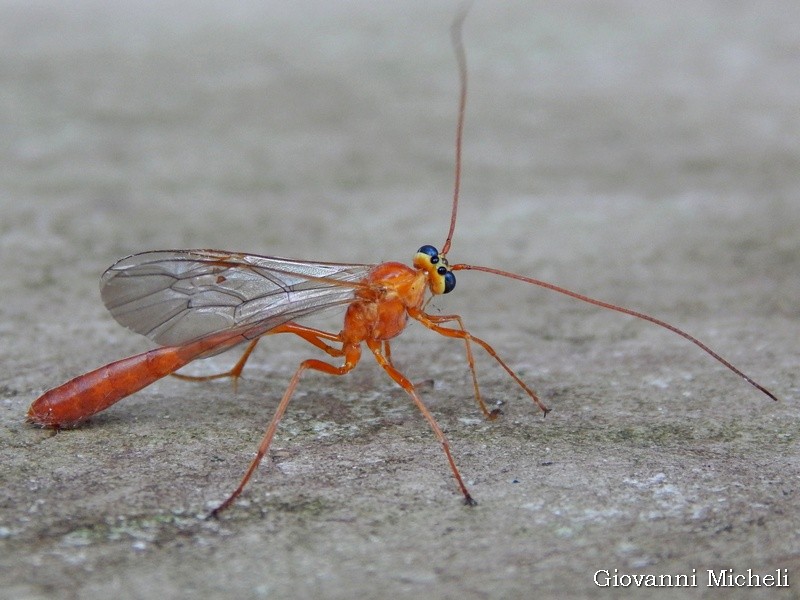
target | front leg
[
  {"x": 433, "y": 323},
  {"x": 490, "y": 415}
]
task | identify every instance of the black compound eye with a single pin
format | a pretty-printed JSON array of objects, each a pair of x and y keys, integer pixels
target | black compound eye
[
  {"x": 449, "y": 282},
  {"x": 430, "y": 251}
]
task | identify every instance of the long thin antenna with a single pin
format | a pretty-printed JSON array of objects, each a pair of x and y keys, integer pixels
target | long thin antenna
[
  {"x": 456, "y": 31},
  {"x": 621, "y": 309}
]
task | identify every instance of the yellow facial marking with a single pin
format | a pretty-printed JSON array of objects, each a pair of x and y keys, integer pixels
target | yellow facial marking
[{"x": 440, "y": 278}]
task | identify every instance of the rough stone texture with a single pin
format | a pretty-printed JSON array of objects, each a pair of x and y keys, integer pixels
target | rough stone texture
[{"x": 641, "y": 152}]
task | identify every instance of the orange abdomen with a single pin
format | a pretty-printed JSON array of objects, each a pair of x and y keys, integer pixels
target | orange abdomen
[
  {"x": 92, "y": 392},
  {"x": 88, "y": 394}
]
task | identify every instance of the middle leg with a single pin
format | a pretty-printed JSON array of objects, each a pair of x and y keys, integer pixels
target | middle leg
[{"x": 403, "y": 382}]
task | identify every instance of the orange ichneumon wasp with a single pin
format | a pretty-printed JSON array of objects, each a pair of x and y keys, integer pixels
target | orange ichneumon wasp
[{"x": 198, "y": 303}]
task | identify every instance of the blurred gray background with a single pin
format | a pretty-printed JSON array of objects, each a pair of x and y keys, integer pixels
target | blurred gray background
[{"x": 645, "y": 153}]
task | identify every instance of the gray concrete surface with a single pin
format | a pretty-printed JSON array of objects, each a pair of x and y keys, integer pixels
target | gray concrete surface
[{"x": 641, "y": 152}]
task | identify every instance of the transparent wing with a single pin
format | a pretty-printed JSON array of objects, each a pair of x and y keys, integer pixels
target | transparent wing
[{"x": 175, "y": 296}]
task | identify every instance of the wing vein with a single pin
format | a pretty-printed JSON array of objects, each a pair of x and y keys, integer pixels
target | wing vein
[{"x": 176, "y": 296}]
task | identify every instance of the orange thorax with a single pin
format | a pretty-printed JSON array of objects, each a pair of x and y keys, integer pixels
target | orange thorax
[{"x": 380, "y": 311}]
